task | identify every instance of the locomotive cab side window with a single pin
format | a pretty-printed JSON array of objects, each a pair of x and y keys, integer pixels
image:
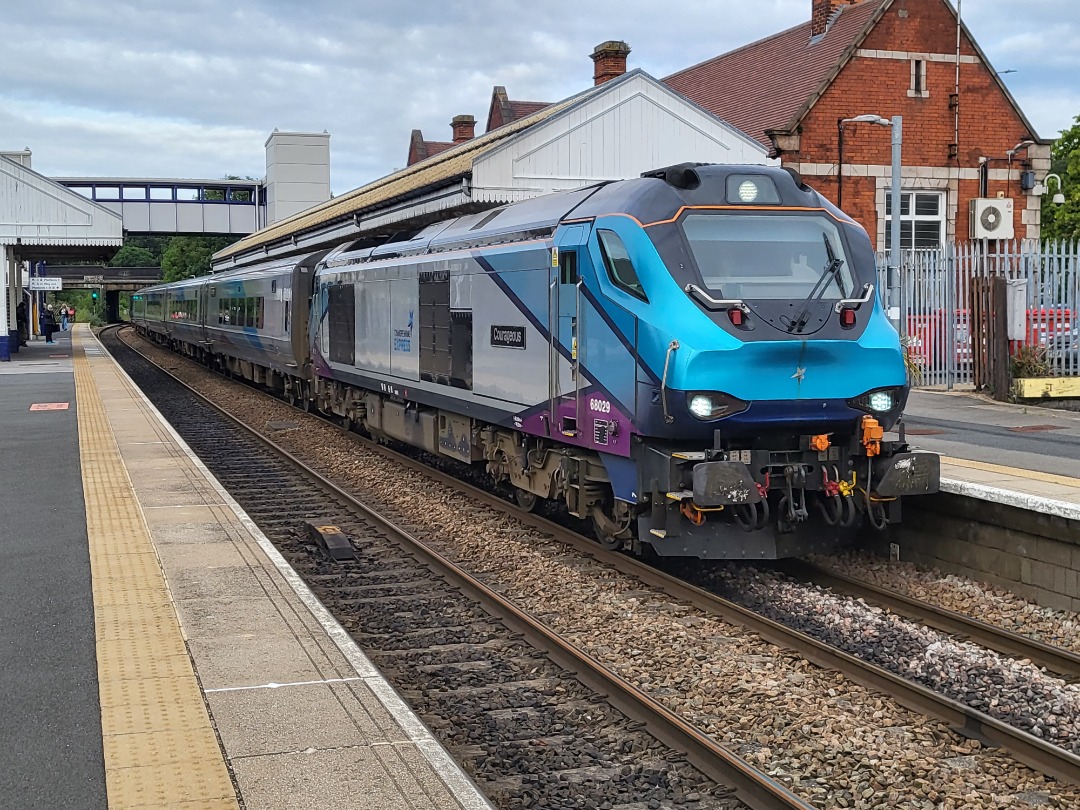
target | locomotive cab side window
[{"x": 619, "y": 267}]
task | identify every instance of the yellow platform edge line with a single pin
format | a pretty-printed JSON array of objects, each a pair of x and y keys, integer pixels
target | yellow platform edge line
[{"x": 169, "y": 761}]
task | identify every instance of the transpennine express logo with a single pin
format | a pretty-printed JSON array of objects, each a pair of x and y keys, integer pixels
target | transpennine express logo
[{"x": 403, "y": 337}]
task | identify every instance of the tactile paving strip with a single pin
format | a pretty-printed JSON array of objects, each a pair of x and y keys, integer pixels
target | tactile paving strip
[{"x": 160, "y": 748}]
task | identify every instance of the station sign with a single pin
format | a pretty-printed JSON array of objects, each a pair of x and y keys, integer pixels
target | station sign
[
  {"x": 46, "y": 283},
  {"x": 93, "y": 279}
]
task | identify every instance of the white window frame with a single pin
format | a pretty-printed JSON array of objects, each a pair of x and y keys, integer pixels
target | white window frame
[
  {"x": 918, "y": 88},
  {"x": 912, "y": 217}
]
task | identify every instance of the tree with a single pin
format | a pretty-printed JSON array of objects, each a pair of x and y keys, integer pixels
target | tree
[
  {"x": 1063, "y": 221},
  {"x": 134, "y": 256},
  {"x": 188, "y": 256}
]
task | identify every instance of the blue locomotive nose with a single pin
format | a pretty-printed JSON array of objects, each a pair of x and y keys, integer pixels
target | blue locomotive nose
[{"x": 796, "y": 370}]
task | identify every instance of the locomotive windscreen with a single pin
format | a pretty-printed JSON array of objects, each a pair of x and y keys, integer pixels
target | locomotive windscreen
[{"x": 774, "y": 257}]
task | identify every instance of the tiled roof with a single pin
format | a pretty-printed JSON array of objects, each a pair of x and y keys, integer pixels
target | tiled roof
[
  {"x": 519, "y": 109},
  {"x": 767, "y": 84},
  {"x": 504, "y": 111},
  {"x": 419, "y": 149}
]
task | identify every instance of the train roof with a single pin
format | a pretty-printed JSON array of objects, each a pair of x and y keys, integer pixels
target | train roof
[
  {"x": 271, "y": 267},
  {"x": 654, "y": 197}
]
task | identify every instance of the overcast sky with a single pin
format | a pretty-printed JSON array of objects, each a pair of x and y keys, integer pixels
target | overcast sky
[{"x": 160, "y": 88}]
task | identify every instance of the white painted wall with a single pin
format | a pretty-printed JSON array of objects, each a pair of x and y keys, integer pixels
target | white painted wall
[
  {"x": 630, "y": 125},
  {"x": 297, "y": 173},
  {"x": 36, "y": 210}
]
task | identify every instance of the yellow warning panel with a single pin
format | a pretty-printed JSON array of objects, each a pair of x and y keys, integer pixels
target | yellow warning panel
[{"x": 160, "y": 747}]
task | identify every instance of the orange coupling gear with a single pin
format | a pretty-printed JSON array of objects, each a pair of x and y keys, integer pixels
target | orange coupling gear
[
  {"x": 872, "y": 434},
  {"x": 820, "y": 442}
]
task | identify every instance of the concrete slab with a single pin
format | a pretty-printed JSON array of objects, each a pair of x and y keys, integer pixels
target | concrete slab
[
  {"x": 204, "y": 619},
  {"x": 210, "y": 583},
  {"x": 295, "y": 718},
  {"x": 233, "y": 661},
  {"x": 353, "y": 778}
]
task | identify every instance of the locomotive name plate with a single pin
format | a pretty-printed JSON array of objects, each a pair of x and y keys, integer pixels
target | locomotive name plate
[{"x": 508, "y": 337}]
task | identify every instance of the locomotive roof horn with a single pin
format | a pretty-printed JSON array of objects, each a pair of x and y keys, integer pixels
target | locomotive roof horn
[{"x": 681, "y": 175}]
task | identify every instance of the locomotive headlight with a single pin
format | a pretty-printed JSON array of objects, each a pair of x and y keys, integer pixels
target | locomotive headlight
[
  {"x": 708, "y": 405},
  {"x": 879, "y": 401},
  {"x": 748, "y": 191},
  {"x": 701, "y": 406}
]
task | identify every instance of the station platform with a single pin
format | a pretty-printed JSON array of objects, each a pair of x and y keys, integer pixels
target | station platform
[
  {"x": 1019, "y": 455},
  {"x": 157, "y": 650}
]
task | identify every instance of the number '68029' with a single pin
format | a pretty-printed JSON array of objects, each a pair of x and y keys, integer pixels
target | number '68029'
[{"x": 599, "y": 405}]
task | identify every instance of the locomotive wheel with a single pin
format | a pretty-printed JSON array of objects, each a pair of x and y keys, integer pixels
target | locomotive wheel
[
  {"x": 526, "y": 500},
  {"x": 604, "y": 539}
]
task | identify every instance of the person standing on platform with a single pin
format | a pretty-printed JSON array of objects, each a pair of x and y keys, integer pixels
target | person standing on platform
[
  {"x": 71, "y": 312},
  {"x": 21, "y": 322},
  {"x": 63, "y": 317},
  {"x": 48, "y": 323}
]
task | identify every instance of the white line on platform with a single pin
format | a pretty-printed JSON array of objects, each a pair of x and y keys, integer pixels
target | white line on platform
[{"x": 281, "y": 685}]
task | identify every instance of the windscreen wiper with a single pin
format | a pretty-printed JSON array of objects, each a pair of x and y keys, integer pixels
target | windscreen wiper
[{"x": 829, "y": 274}]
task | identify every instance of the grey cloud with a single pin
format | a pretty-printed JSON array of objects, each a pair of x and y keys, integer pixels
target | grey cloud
[{"x": 370, "y": 72}]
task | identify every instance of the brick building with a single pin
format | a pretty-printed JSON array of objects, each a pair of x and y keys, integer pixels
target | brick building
[{"x": 965, "y": 137}]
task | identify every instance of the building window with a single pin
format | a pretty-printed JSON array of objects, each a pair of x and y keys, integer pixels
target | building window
[
  {"x": 922, "y": 220},
  {"x": 918, "y": 87}
]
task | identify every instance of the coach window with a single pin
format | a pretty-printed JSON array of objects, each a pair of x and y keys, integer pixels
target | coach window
[{"x": 619, "y": 267}]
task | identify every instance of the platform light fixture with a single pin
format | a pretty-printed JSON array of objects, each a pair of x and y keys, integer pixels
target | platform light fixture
[{"x": 896, "y": 123}]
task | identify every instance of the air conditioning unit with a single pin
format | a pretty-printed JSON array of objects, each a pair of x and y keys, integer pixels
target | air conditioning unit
[{"x": 992, "y": 218}]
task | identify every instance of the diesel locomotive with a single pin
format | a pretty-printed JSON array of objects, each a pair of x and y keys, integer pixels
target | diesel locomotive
[{"x": 695, "y": 360}]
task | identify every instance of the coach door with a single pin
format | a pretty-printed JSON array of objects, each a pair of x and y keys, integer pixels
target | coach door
[{"x": 566, "y": 328}]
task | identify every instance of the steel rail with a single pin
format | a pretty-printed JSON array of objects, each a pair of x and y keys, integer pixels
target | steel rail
[
  {"x": 751, "y": 786},
  {"x": 1055, "y": 659},
  {"x": 1034, "y": 752}
]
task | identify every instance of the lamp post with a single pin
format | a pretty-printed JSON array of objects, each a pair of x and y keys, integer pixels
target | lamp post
[{"x": 894, "y": 304}]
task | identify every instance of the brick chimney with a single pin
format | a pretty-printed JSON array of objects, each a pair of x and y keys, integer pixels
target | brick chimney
[
  {"x": 609, "y": 60},
  {"x": 823, "y": 11},
  {"x": 464, "y": 127}
]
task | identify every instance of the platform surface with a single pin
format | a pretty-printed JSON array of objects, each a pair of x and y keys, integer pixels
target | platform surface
[{"x": 165, "y": 655}]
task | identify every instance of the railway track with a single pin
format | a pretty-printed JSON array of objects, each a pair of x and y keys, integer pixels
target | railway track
[
  {"x": 538, "y": 724},
  {"x": 1038, "y": 754},
  {"x": 1055, "y": 659}
]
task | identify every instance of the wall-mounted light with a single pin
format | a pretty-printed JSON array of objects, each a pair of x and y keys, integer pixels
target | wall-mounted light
[{"x": 1042, "y": 188}]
